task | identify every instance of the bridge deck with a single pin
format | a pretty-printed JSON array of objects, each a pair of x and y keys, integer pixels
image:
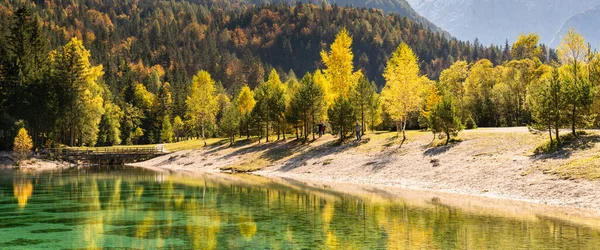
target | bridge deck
[{"x": 104, "y": 155}]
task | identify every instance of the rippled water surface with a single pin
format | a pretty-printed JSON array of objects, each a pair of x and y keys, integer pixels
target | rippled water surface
[{"x": 134, "y": 209}]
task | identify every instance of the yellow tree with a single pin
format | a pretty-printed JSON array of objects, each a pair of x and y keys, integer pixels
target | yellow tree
[
  {"x": 402, "y": 92},
  {"x": 22, "y": 145},
  {"x": 526, "y": 46},
  {"x": 452, "y": 82},
  {"x": 574, "y": 56},
  {"x": 245, "y": 104},
  {"x": 339, "y": 62},
  {"x": 202, "y": 103}
]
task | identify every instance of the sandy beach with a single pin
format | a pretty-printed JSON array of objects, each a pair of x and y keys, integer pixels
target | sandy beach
[{"x": 486, "y": 162}]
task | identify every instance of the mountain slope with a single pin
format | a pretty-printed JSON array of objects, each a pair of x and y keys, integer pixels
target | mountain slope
[
  {"x": 493, "y": 21},
  {"x": 587, "y": 23},
  {"x": 400, "y": 7}
]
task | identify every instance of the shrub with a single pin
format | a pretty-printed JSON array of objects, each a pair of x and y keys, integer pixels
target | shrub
[
  {"x": 470, "y": 123},
  {"x": 22, "y": 145}
]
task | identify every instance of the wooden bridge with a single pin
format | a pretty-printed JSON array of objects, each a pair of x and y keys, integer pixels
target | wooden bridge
[{"x": 104, "y": 156}]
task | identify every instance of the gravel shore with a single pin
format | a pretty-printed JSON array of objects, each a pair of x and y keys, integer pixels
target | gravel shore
[{"x": 495, "y": 163}]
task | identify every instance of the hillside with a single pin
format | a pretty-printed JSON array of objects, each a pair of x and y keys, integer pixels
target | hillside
[
  {"x": 401, "y": 7},
  {"x": 497, "y": 21},
  {"x": 236, "y": 43},
  {"x": 587, "y": 23}
]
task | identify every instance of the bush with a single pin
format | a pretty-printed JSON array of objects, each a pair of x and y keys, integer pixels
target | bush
[
  {"x": 470, "y": 123},
  {"x": 22, "y": 145}
]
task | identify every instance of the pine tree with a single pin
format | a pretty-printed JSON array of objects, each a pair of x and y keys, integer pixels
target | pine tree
[
  {"x": 362, "y": 96},
  {"x": 444, "y": 118},
  {"x": 342, "y": 116}
]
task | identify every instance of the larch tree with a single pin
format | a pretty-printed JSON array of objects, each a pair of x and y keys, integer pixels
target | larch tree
[
  {"x": 22, "y": 145},
  {"x": 452, "y": 81},
  {"x": 339, "y": 70},
  {"x": 526, "y": 47},
  {"x": 202, "y": 105},
  {"x": 573, "y": 54},
  {"x": 245, "y": 104},
  {"x": 402, "y": 92}
]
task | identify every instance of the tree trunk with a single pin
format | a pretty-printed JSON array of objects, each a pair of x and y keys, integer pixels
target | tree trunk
[
  {"x": 447, "y": 136},
  {"x": 203, "y": 138},
  {"x": 362, "y": 119},
  {"x": 312, "y": 127},
  {"x": 550, "y": 131},
  {"x": 267, "y": 131},
  {"x": 278, "y": 130},
  {"x": 403, "y": 130},
  {"x": 573, "y": 120}
]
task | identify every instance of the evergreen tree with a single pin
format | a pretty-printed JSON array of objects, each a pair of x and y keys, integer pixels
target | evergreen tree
[
  {"x": 342, "y": 116},
  {"x": 444, "y": 119},
  {"x": 362, "y": 96}
]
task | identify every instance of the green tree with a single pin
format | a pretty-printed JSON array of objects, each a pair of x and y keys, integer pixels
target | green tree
[
  {"x": 81, "y": 94},
  {"x": 444, "y": 118},
  {"x": 478, "y": 93},
  {"x": 230, "y": 122},
  {"x": 452, "y": 81},
  {"x": 362, "y": 97},
  {"x": 166, "y": 132},
  {"x": 202, "y": 104},
  {"x": 342, "y": 116},
  {"x": 178, "y": 127},
  {"x": 309, "y": 103},
  {"x": 546, "y": 98},
  {"x": 110, "y": 125}
]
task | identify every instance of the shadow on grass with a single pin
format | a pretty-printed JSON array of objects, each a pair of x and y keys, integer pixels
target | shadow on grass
[
  {"x": 569, "y": 145},
  {"x": 434, "y": 151},
  {"x": 321, "y": 151}
]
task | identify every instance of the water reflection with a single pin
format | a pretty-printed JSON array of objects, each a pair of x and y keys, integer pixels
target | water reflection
[
  {"x": 22, "y": 190},
  {"x": 133, "y": 209}
]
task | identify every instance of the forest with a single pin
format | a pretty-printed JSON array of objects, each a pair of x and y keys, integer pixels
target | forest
[{"x": 120, "y": 72}]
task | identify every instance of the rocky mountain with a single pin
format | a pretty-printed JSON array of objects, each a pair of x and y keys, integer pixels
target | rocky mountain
[
  {"x": 495, "y": 21},
  {"x": 587, "y": 23}
]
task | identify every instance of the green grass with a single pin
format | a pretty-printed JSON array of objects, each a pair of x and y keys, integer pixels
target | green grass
[
  {"x": 550, "y": 147},
  {"x": 194, "y": 144},
  {"x": 586, "y": 168}
]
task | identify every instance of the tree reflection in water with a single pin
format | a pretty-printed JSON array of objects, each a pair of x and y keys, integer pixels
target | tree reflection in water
[{"x": 145, "y": 210}]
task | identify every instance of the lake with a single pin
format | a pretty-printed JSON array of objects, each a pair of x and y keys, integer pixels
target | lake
[{"x": 123, "y": 207}]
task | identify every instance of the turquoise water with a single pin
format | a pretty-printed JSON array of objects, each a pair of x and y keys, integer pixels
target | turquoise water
[{"x": 135, "y": 209}]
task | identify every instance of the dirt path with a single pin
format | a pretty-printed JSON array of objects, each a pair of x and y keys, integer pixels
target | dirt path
[{"x": 494, "y": 162}]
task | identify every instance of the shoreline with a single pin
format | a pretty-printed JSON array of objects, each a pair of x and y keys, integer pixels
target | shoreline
[{"x": 492, "y": 163}]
